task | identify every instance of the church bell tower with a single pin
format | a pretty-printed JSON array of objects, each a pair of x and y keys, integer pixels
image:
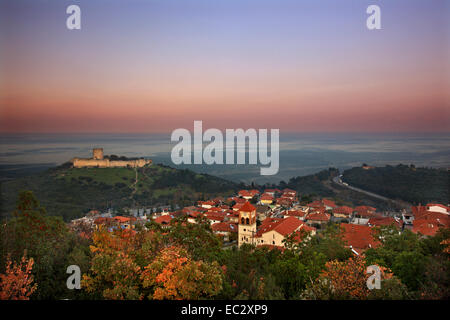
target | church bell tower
[{"x": 247, "y": 224}]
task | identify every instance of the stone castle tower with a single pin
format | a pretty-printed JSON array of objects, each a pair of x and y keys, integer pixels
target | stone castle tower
[
  {"x": 247, "y": 224},
  {"x": 97, "y": 153}
]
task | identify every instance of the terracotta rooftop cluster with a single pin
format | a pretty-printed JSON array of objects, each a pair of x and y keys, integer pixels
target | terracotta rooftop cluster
[{"x": 280, "y": 211}]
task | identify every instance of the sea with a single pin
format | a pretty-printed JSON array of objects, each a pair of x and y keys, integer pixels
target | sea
[{"x": 300, "y": 153}]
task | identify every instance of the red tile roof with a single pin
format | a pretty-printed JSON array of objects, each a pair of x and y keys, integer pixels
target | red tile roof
[
  {"x": 289, "y": 196},
  {"x": 315, "y": 203},
  {"x": 266, "y": 196},
  {"x": 247, "y": 207},
  {"x": 418, "y": 211},
  {"x": 384, "y": 221},
  {"x": 318, "y": 216},
  {"x": 359, "y": 237},
  {"x": 294, "y": 213},
  {"x": 272, "y": 191},
  {"x": 365, "y": 209},
  {"x": 121, "y": 219},
  {"x": 329, "y": 203},
  {"x": 288, "y": 225},
  {"x": 267, "y": 225},
  {"x": 224, "y": 227},
  {"x": 102, "y": 220},
  {"x": 188, "y": 209},
  {"x": 194, "y": 214},
  {"x": 343, "y": 210},
  {"x": 430, "y": 222},
  {"x": 425, "y": 227},
  {"x": 322, "y": 203},
  {"x": 284, "y": 202},
  {"x": 163, "y": 219},
  {"x": 247, "y": 193},
  {"x": 215, "y": 216},
  {"x": 282, "y": 226}
]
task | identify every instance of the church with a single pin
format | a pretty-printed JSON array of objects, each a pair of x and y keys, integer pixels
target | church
[{"x": 272, "y": 232}]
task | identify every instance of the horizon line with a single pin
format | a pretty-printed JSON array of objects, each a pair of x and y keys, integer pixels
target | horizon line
[{"x": 168, "y": 132}]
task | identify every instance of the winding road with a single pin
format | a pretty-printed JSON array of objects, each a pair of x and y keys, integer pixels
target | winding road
[{"x": 338, "y": 181}]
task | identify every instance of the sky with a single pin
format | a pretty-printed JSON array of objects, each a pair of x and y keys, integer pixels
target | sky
[{"x": 157, "y": 65}]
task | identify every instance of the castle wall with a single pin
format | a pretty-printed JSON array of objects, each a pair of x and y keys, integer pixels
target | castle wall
[{"x": 106, "y": 163}]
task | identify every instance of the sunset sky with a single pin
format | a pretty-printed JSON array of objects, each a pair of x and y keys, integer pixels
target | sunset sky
[{"x": 153, "y": 66}]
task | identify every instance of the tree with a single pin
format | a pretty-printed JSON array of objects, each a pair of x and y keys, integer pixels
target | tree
[
  {"x": 17, "y": 281},
  {"x": 403, "y": 253},
  {"x": 174, "y": 275},
  {"x": 410, "y": 268},
  {"x": 247, "y": 273},
  {"x": 129, "y": 265},
  {"x": 329, "y": 243},
  {"x": 46, "y": 239},
  {"x": 341, "y": 280},
  {"x": 291, "y": 275},
  {"x": 113, "y": 273},
  {"x": 198, "y": 238}
]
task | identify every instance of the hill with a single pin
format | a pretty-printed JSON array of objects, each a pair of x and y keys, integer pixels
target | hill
[
  {"x": 408, "y": 183},
  {"x": 314, "y": 184},
  {"x": 71, "y": 192},
  {"x": 321, "y": 185}
]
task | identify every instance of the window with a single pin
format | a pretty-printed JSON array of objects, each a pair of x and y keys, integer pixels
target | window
[
  {"x": 242, "y": 220},
  {"x": 247, "y": 221}
]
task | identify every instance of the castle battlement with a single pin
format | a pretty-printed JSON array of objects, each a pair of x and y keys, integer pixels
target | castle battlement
[{"x": 99, "y": 161}]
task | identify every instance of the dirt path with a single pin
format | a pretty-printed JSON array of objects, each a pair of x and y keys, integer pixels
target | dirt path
[{"x": 134, "y": 185}]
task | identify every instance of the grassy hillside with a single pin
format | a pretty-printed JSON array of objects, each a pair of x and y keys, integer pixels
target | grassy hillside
[
  {"x": 415, "y": 185},
  {"x": 314, "y": 184},
  {"x": 70, "y": 192}
]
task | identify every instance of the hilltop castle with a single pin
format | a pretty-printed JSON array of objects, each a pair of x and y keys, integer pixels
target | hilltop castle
[{"x": 98, "y": 160}]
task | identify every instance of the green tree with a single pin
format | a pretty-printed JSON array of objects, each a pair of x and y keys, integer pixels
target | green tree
[
  {"x": 410, "y": 268},
  {"x": 46, "y": 239}
]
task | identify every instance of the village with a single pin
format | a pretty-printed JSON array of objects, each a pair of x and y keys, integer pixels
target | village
[{"x": 269, "y": 218}]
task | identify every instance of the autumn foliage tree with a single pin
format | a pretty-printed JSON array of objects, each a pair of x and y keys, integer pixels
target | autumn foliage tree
[
  {"x": 17, "y": 281},
  {"x": 341, "y": 280},
  {"x": 114, "y": 273},
  {"x": 174, "y": 275},
  {"x": 348, "y": 280},
  {"x": 130, "y": 265}
]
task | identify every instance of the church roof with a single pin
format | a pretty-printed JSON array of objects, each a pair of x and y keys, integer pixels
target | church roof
[{"x": 247, "y": 207}]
